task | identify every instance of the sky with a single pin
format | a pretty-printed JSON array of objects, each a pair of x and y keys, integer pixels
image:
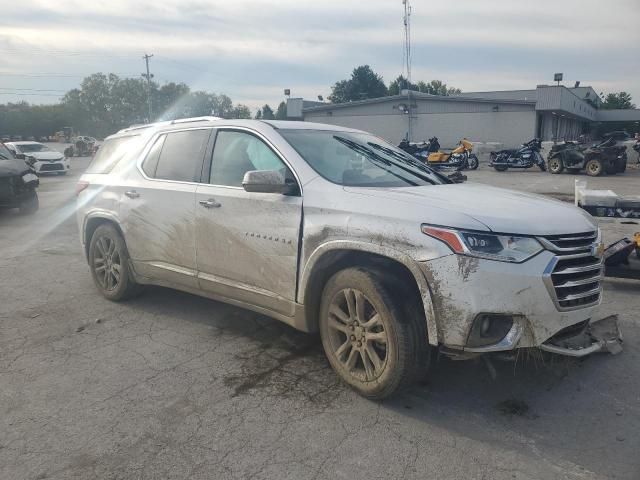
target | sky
[{"x": 251, "y": 50}]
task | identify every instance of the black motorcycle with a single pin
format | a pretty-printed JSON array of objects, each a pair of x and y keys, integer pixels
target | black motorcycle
[
  {"x": 636, "y": 147},
  {"x": 526, "y": 156}
]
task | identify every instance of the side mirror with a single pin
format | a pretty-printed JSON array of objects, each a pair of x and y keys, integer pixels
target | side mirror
[
  {"x": 268, "y": 181},
  {"x": 20, "y": 156}
]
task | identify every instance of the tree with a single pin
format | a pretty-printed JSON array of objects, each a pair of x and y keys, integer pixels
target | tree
[
  {"x": 364, "y": 83},
  {"x": 437, "y": 87},
  {"x": 281, "y": 112},
  {"x": 240, "y": 111},
  {"x": 258, "y": 114},
  {"x": 620, "y": 100},
  {"x": 267, "y": 113}
]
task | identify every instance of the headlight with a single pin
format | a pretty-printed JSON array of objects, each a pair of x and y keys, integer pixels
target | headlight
[{"x": 503, "y": 248}]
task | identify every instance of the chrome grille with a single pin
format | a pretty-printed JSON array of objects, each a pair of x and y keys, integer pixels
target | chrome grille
[{"x": 575, "y": 274}]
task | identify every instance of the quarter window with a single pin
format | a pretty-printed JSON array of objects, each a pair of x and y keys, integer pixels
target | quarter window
[
  {"x": 236, "y": 153},
  {"x": 151, "y": 162},
  {"x": 182, "y": 155}
]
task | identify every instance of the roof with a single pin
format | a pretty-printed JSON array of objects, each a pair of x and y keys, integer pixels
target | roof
[
  {"x": 416, "y": 96},
  {"x": 30, "y": 142},
  {"x": 212, "y": 121}
]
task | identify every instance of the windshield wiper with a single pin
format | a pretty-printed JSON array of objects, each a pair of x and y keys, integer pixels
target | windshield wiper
[{"x": 374, "y": 158}]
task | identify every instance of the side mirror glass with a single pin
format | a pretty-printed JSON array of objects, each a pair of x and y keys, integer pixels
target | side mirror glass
[{"x": 268, "y": 181}]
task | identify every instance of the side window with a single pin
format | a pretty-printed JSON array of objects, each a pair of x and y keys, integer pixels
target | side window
[
  {"x": 182, "y": 155},
  {"x": 151, "y": 162},
  {"x": 236, "y": 153}
]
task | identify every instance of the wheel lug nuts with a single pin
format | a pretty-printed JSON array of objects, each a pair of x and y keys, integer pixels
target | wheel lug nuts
[
  {"x": 352, "y": 327},
  {"x": 359, "y": 344},
  {"x": 353, "y": 338}
]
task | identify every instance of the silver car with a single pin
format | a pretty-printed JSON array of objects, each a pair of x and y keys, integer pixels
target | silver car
[{"x": 334, "y": 230}]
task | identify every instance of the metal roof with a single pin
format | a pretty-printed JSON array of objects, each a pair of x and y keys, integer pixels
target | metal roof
[{"x": 415, "y": 96}]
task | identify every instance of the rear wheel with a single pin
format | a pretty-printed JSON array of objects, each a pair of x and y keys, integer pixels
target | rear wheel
[
  {"x": 109, "y": 263},
  {"x": 594, "y": 167},
  {"x": 622, "y": 165},
  {"x": 542, "y": 167},
  {"x": 30, "y": 205},
  {"x": 367, "y": 335},
  {"x": 556, "y": 165},
  {"x": 500, "y": 168}
]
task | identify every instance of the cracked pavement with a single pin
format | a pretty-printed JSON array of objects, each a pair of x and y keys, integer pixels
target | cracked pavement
[{"x": 170, "y": 385}]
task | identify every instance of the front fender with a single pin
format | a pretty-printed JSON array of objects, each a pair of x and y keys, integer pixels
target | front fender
[{"x": 385, "y": 251}]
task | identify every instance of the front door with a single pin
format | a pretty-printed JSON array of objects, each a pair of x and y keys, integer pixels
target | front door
[{"x": 247, "y": 243}]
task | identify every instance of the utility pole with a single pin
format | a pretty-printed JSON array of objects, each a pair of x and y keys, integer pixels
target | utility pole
[
  {"x": 148, "y": 76},
  {"x": 407, "y": 62}
]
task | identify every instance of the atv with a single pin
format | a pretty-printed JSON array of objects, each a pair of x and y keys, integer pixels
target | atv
[{"x": 605, "y": 157}]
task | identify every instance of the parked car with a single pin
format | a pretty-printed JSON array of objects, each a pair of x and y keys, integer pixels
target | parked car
[
  {"x": 41, "y": 157},
  {"x": 334, "y": 230},
  {"x": 18, "y": 183}
]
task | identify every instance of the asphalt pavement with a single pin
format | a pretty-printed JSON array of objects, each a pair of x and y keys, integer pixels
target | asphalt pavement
[{"x": 170, "y": 385}]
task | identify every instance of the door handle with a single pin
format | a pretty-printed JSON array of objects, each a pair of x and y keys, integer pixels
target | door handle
[
  {"x": 211, "y": 203},
  {"x": 132, "y": 194}
]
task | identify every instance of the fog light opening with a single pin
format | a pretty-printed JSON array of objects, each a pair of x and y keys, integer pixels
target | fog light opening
[{"x": 489, "y": 329}]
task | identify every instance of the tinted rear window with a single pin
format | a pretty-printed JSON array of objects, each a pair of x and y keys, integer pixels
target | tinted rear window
[
  {"x": 111, "y": 152},
  {"x": 182, "y": 155}
]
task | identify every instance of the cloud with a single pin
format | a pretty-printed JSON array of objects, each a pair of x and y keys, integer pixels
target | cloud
[{"x": 252, "y": 49}]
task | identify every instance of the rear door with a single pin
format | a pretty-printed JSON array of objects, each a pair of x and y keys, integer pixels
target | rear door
[
  {"x": 157, "y": 207},
  {"x": 246, "y": 243}
]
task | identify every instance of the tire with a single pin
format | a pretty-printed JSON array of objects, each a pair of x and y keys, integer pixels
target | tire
[
  {"x": 474, "y": 163},
  {"x": 594, "y": 167},
  {"x": 30, "y": 206},
  {"x": 542, "y": 167},
  {"x": 351, "y": 300},
  {"x": 622, "y": 165},
  {"x": 106, "y": 250},
  {"x": 500, "y": 168},
  {"x": 556, "y": 165}
]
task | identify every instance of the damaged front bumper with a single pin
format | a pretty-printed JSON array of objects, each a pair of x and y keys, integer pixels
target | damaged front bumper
[{"x": 601, "y": 336}]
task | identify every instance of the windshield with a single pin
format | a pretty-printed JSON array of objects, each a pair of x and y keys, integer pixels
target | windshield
[
  {"x": 5, "y": 154},
  {"x": 33, "y": 147},
  {"x": 359, "y": 159}
]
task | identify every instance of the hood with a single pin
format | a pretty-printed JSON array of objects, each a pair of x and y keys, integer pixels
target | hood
[
  {"x": 13, "y": 167},
  {"x": 45, "y": 155},
  {"x": 500, "y": 210}
]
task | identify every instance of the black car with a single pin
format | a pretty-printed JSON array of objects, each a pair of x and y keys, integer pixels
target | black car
[{"x": 18, "y": 183}]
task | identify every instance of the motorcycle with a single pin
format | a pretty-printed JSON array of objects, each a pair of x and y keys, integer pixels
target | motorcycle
[
  {"x": 459, "y": 158},
  {"x": 636, "y": 147},
  {"x": 526, "y": 156}
]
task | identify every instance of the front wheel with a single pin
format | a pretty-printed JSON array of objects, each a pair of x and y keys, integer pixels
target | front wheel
[
  {"x": 594, "y": 167},
  {"x": 556, "y": 165},
  {"x": 109, "y": 264},
  {"x": 473, "y": 162},
  {"x": 542, "y": 167},
  {"x": 500, "y": 168},
  {"x": 369, "y": 339},
  {"x": 30, "y": 205}
]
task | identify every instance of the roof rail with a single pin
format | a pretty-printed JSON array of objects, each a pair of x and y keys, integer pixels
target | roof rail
[
  {"x": 136, "y": 127},
  {"x": 195, "y": 119}
]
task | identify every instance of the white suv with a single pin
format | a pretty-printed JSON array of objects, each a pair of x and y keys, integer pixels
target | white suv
[
  {"x": 40, "y": 157},
  {"x": 334, "y": 230}
]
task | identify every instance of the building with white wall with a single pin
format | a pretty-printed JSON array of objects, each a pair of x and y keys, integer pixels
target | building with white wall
[{"x": 509, "y": 117}]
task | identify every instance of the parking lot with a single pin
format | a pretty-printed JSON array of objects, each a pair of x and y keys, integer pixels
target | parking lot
[{"x": 170, "y": 385}]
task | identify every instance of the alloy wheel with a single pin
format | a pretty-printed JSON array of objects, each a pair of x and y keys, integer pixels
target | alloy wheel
[
  {"x": 357, "y": 336},
  {"x": 107, "y": 263}
]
